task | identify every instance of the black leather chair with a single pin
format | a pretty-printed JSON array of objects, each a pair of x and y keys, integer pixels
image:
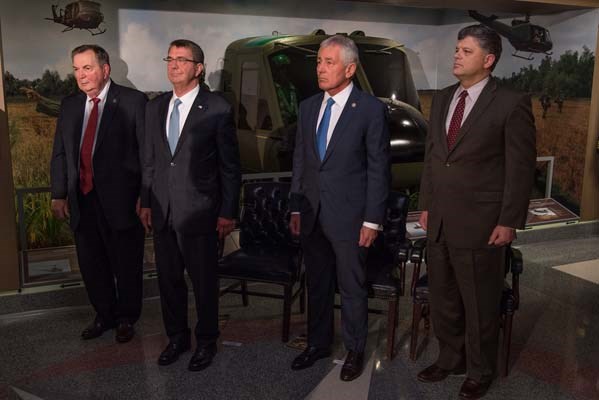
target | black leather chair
[
  {"x": 510, "y": 300},
  {"x": 267, "y": 252},
  {"x": 386, "y": 264}
]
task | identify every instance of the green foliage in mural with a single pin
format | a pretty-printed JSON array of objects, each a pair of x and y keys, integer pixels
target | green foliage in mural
[{"x": 571, "y": 75}]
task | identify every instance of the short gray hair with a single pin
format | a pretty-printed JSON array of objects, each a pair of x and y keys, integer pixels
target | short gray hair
[{"x": 349, "y": 50}]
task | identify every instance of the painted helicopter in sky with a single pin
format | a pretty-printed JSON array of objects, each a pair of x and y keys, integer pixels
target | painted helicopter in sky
[
  {"x": 81, "y": 15},
  {"x": 524, "y": 36}
]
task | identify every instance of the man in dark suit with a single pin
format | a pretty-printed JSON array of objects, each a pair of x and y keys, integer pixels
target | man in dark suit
[
  {"x": 340, "y": 183},
  {"x": 96, "y": 179},
  {"x": 478, "y": 174},
  {"x": 191, "y": 179}
]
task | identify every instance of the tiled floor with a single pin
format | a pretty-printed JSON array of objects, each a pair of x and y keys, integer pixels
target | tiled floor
[{"x": 555, "y": 349}]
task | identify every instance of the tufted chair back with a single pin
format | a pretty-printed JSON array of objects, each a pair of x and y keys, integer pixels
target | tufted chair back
[{"x": 265, "y": 215}]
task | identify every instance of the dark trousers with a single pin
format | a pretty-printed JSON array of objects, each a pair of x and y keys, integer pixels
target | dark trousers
[
  {"x": 111, "y": 263},
  {"x": 175, "y": 253},
  {"x": 465, "y": 294},
  {"x": 328, "y": 260}
]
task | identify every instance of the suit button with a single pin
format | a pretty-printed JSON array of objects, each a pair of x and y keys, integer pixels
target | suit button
[
  {"x": 447, "y": 164},
  {"x": 173, "y": 164}
]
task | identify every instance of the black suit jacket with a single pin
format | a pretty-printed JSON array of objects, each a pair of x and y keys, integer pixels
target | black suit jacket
[
  {"x": 351, "y": 183},
  {"x": 201, "y": 180},
  {"x": 116, "y": 157},
  {"x": 486, "y": 179}
]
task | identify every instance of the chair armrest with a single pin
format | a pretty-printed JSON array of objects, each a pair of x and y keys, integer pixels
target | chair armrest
[
  {"x": 417, "y": 254},
  {"x": 516, "y": 262},
  {"x": 403, "y": 251}
]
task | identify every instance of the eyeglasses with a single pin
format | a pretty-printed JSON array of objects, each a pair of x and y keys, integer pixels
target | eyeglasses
[{"x": 179, "y": 60}]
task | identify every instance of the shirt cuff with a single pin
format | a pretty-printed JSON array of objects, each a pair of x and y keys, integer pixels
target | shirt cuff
[{"x": 372, "y": 226}]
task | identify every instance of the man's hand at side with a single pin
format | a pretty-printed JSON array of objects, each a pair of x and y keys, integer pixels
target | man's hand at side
[
  {"x": 224, "y": 226},
  {"x": 295, "y": 224},
  {"x": 60, "y": 208},
  {"x": 145, "y": 215},
  {"x": 502, "y": 235},
  {"x": 367, "y": 236}
]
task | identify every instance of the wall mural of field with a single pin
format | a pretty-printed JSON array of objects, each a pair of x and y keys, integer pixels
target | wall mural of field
[{"x": 429, "y": 47}]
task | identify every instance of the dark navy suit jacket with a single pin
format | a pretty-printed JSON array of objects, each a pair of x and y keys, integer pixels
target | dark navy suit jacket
[{"x": 351, "y": 183}]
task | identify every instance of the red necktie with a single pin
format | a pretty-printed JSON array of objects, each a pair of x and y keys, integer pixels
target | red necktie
[
  {"x": 456, "y": 120},
  {"x": 85, "y": 167}
]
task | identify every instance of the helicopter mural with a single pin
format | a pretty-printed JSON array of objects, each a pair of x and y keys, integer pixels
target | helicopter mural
[
  {"x": 524, "y": 36},
  {"x": 81, "y": 15}
]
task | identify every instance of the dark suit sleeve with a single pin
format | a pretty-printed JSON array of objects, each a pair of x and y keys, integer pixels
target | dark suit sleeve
[
  {"x": 426, "y": 190},
  {"x": 298, "y": 166},
  {"x": 58, "y": 162},
  {"x": 378, "y": 165},
  {"x": 520, "y": 161},
  {"x": 147, "y": 156},
  {"x": 228, "y": 165},
  {"x": 140, "y": 129}
]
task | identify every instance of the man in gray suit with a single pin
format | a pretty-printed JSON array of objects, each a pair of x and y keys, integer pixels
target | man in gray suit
[
  {"x": 190, "y": 195},
  {"x": 340, "y": 184},
  {"x": 478, "y": 174}
]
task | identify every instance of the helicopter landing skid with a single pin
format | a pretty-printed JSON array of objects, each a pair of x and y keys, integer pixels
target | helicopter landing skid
[
  {"x": 99, "y": 32},
  {"x": 529, "y": 57}
]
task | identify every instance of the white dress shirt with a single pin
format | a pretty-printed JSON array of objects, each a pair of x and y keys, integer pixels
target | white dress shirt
[
  {"x": 336, "y": 110},
  {"x": 473, "y": 93},
  {"x": 184, "y": 108},
  {"x": 89, "y": 104}
]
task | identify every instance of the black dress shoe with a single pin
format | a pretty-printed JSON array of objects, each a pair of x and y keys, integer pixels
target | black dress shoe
[
  {"x": 202, "y": 357},
  {"x": 472, "y": 389},
  {"x": 124, "y": 332},
  {"x": 172, "y": 352},
  {"x": 95, "y": 329},
  {"x": 353, "y": 365},
  {"x": 434, "y": 373},
  {"x": 309, "y": 357}
]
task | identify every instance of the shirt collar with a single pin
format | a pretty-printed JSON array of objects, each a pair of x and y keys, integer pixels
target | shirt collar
[
  {"x": 103, "y": 93},
  {"x": 341, "y": 97},
  {"x": 474, "y": 90},
  {"x": 188, "y": 97}
]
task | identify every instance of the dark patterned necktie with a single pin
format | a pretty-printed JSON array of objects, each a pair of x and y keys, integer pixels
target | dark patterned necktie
[
  {"x": 85, "y": 166},
  {"x": 456, "y": 120}
]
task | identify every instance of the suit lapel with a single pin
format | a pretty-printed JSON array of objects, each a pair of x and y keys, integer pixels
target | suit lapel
[
  {"x": 197, "y": 111},
  {"x": 482, "y": 103},
  {"x": 313, "y": 124},
  {"x": 163, "y": 114},
  {"x": 110, "y": 107},
  {"x": 77, "y": 127},
  {"x": 351, "y": 107}
]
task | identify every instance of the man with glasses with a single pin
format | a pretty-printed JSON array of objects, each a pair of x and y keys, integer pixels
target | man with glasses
[
  {"x": 96, "y": 178},
  {"x": 190, "y": 195}
]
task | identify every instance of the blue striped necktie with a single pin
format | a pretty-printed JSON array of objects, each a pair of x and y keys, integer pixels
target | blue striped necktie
[
  {"x": 173, "y": 127},
  {"x": 323, "y": 128}
]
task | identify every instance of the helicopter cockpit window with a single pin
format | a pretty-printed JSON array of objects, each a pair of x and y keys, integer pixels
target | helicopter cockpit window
[
  {"x": 386, "y": 71},
  {"x": 253, "y": 107}
]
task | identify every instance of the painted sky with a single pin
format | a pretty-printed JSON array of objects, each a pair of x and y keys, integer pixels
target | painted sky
[{"x": 137, "y": 39}]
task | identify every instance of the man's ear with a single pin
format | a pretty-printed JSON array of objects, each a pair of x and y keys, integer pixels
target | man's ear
[
  {"x": 350, "y": 70},
  {"x": 199, "y": 69},
  {"x": 489, "y": 60}
]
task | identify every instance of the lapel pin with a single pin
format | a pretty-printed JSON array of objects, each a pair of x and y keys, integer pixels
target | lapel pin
[
  {"x": 200, "y": 107},
  {"x": 114, "y": 100},
  {"x": 353, "y": 105}
]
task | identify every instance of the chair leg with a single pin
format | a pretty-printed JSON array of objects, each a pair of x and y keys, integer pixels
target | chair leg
[
  {"x": 507, "y": 342},
  {"x": 402, "y": 278},
  {"x": 244, "y": 293},
  {"x": 415, "y": 277},
  {"x": 286, "y": 313},
  {"x": 416, "y": 316},
  {"x": 392, "y": 308}
]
